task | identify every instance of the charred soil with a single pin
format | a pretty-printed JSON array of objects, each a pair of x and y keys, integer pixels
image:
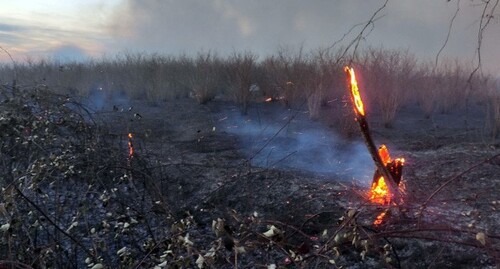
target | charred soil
[{"x": 192, "y": 196}]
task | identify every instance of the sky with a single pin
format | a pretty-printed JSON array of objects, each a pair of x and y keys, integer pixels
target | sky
[{"x": 78, "y": 29}]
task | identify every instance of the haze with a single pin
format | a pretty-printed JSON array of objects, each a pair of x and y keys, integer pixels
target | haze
[{"x": 76, "y": 30}]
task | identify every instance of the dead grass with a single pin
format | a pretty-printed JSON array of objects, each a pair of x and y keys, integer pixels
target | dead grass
[{"x": 390, "y": 79}]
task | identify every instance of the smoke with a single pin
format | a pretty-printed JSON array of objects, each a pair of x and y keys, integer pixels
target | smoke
[
  {"x": 262, "y": 26},
  {"x": 101, "y": 99},
  {"x": 274, "y": 137},
  {"x": 259, "y": 26}
]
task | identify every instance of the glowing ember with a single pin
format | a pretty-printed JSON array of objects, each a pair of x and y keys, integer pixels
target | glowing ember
[
  {"x": 380, "y": 218},
  {"x": 354, "y": 91}
]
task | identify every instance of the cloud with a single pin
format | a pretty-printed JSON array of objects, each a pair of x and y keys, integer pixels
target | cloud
[
  {"x": 5, "y": 27},
  {"x": 41, "y": 41}
]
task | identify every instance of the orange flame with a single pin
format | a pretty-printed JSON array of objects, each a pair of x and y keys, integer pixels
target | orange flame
[
  {"x": 383, "y": 152},
  {"x": 379, "y": 192},
  {"x": 354, "y": 91}
]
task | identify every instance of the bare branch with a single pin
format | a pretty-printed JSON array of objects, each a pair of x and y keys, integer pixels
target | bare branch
[{"x": 448, "y": 35}]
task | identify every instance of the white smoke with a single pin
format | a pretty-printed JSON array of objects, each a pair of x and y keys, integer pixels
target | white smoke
[{"x": 287, "y": 139}]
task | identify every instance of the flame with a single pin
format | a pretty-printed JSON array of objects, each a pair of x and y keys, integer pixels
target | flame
[
  {"x": 379, "y": 192},
  {"x": 269, "y": 99},
  {"x": 383, "y": 152},
  {"x": 130, "y": 146},
  {"x": 354, "y": 91}
]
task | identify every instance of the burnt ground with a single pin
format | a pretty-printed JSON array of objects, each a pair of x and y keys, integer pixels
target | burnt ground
[
  {"x": 326, "y": 218},
  {"x": 207, "y": 188}
]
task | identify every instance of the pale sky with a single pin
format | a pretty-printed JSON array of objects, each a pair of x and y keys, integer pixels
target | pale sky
[{"x": 76, "y": 29}]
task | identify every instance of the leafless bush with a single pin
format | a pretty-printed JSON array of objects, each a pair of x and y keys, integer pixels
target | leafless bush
[
  {"x": 386, "y": 76},
  {"x": 289, "y": 72},
  {"x": 424, "y": 84},
  {"x": 325, "y": 81},
  {"x": 453, "y": 77},
  {"x": 492, "y": 89},
  {"x": 204, "y": 77},
  {"x": 240, "y": 69}
]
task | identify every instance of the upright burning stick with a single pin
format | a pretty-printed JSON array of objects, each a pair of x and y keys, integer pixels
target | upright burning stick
[{"x": 365, "y": 131}]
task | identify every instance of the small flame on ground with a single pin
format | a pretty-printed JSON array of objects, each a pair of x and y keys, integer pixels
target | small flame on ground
[
  {"x": 354, "y": 91},
  {"x": 269, "y": 99},
  {"x": 130, "y": 146}
]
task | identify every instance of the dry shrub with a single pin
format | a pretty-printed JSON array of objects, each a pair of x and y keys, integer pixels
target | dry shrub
[
  {"x": 424, "y": 84},
  {"x": 289, "y": 72},
  {"x": 492, "y": 89},
  {"x": 240, "y": 70},
  {"x": 325, "y": 82},
  {"x": 453, "y": 80},
  {"x": 204, "y": 77},
  {"x": 387, "y": 74}
]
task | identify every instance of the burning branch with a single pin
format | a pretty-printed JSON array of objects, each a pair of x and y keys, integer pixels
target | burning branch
[{"x": 380, "y": 157}]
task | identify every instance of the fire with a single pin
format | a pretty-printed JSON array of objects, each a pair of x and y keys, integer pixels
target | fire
[
  {"x": 386, "y": 188},
  {"x": 130, "y": 146},
  {"x": 354, "y": 91},
  {"x": 379, "y": 192}
]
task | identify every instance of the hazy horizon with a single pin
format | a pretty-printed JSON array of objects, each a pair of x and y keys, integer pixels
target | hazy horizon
[{"x": 77, "y": 30}]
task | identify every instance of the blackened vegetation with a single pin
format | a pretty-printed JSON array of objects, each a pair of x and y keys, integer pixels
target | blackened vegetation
[{"x": 187, "y": 199}]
